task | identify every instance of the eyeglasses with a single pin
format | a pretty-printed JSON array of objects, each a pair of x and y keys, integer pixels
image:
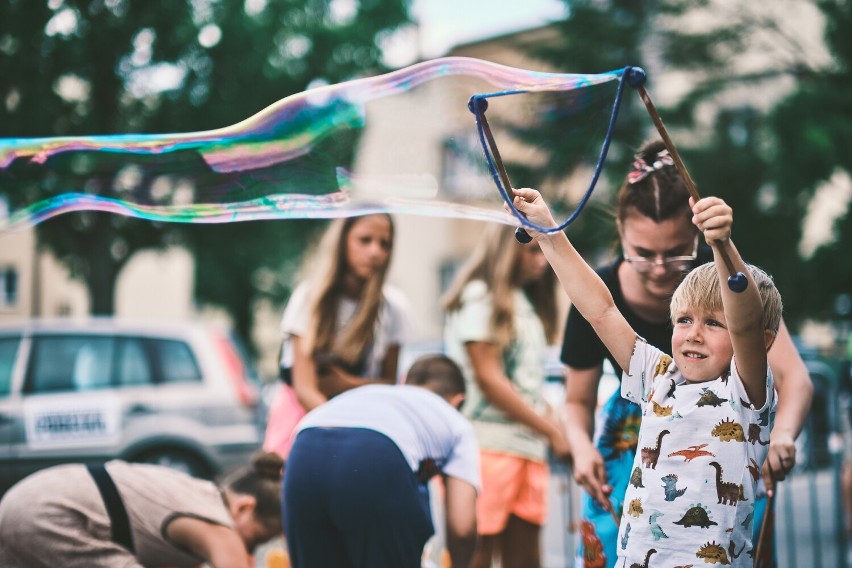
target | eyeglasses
[{"x": 669, "y": 263}]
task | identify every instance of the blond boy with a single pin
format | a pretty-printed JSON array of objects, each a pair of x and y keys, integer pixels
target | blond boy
[{"x": 705, "y": 424}]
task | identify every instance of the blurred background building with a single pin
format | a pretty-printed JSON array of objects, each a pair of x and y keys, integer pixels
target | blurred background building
[{"x": 782, "y": 41}]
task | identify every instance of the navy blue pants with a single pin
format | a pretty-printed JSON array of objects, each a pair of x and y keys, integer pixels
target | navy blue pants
[{"x": 352, "y": 501}]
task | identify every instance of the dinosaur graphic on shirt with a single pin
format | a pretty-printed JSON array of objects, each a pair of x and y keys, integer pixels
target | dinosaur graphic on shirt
[
  {"x": 728, "y": 430},
  {"x": 647, "y": 559},
  {"x": 693, "y": 452},
  {"x": 672, "y": 387},
  {"x": 651, "y": 455},
  {"x": 727, "y": 492},
  {"x": 656, "y": 529},
  {"x": 635, "y": 508},
  {"x": 662, "y": 365},
  {"x": 661, "y": 410},
  {"x": 710, "y": 398},
  {"x": 696, "y": 516},
  {"x": 636, "y": 477},
  {"x": 670, "y": 487},
  {"x": 754, "y": 435},
  {"x": 712, "y": 553},
  {"x": 732, "y": 550},
  {"x": 753, "y": 469}
]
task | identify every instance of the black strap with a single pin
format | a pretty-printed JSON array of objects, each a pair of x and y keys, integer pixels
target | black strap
[{"x": 121, "y": 534}]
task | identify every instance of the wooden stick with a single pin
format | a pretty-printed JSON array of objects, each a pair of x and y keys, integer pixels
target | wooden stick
[
  {"x": 615, "y": 516},
  {"x": 521, "y": 234},
  {"x": 495, "y": 154},
  {"x": 767, "y": 520},
  {"x": 681, "y": 167}
]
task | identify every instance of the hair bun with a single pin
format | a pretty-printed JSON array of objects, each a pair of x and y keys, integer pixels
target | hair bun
[{"x": 268, "y": 464}]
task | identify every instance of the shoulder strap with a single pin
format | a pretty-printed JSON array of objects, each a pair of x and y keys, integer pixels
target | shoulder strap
[{"x": 119, "y": 521}]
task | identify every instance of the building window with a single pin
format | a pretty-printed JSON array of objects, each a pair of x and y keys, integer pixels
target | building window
[
  {"x": 8, "y": 287},
  {"x": 465, "y": 172}
]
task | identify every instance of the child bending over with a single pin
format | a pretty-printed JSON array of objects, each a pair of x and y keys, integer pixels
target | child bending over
[{"x": 705, "y": 412}]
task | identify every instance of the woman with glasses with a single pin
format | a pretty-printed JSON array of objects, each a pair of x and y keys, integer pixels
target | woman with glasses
[{"x": 660, "y": 245}]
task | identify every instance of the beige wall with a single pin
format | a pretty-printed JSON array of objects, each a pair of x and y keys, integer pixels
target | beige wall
[
  {"x": 44, "y": 286},
  {"x": 153, "y": 285},
  {"x": 17, "y": 254}
]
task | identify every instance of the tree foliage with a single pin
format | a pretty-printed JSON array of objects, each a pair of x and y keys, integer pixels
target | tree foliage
[
  {"x": 82, "y": 67},
  {"x": 766, "y": 160}
]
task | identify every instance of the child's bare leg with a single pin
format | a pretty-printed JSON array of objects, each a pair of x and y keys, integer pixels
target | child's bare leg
[
  {"x": 485, "y": 548},
  {"x": 520, "y": 544}
]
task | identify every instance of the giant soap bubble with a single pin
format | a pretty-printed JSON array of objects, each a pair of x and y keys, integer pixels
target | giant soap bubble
[{"x": 403, "y": 142}]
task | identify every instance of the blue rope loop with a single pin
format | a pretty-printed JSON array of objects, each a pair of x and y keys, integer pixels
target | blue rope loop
[{"x": 478, "y": 104}]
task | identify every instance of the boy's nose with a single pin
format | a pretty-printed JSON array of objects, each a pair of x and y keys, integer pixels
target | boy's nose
[{"x": 694, "y": 334}]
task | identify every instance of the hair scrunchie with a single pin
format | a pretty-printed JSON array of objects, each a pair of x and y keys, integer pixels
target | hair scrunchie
[{"x": 640, "y": 168}]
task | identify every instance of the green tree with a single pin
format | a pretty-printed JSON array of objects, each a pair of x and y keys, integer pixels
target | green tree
[
  {"x": 734, "y": 146},
  {"x": 82, "y": 67},
  {"x": 812, "y": 132}
]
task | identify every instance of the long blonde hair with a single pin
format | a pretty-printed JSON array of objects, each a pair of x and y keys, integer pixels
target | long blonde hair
[
  {"x": 327, "y": 283},
  {"x": 496, "y": 261}
]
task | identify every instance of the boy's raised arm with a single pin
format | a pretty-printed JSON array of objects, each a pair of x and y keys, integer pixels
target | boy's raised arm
[
  {"x": 584, "y": 287},
  {"x": 743, "y": 310}
]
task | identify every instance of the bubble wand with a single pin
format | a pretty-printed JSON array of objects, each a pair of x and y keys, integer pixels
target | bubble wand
[
  {"x": 764, "y": 550},
  {"x": 478, "y": 104},
  {"x": 635, "y": 77}
]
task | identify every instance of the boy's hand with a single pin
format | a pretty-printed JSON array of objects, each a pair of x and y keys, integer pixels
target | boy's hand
[
  {"x": 530, "y": 203},
  {"x": 714, "y": 218}
]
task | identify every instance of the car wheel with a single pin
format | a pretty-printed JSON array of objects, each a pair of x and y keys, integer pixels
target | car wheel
[{"x": 179, "y": 460}]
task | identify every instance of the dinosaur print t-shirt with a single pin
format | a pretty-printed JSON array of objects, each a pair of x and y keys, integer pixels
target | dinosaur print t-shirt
[{"x": 690, "y": 499}]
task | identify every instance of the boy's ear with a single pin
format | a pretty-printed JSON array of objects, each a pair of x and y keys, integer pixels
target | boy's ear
[
  {"x": 769, "y": 337},
  {"x": 456, "y": 400}
]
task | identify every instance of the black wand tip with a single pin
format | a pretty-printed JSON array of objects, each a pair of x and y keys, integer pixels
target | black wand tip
[{"x": 522, "y": 236}]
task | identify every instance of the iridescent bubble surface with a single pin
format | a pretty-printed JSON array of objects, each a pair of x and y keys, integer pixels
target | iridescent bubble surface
[{"x": 403, "y": 142}]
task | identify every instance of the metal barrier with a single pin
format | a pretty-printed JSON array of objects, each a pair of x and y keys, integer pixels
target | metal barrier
[{"x": 810, "y": 530}]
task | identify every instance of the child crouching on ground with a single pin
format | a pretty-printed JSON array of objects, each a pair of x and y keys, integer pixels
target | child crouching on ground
[{"x": 705, "y": 414}]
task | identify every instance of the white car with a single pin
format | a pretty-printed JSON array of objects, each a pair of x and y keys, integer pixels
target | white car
[{"x": 84, "y": 391}]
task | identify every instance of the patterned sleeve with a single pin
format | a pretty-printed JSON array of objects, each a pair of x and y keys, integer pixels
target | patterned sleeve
[
  {"x": 646, "y": 363},
  {"x": 738, "y": 389}
]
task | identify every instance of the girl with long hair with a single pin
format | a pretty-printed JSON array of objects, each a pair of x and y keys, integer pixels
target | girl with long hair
[
  {"x": 343, "y": 327},
  {"x": 501, "y": 316}
]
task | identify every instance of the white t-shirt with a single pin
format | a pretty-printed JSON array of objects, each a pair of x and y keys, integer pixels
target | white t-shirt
[
  {"x": 391, "y": 328},
  {"x": 701, "y": 446},
  {"x": 422, "y": 424}
]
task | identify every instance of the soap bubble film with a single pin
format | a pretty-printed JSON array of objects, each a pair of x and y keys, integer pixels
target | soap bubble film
[{"x": 403, "y": 142}]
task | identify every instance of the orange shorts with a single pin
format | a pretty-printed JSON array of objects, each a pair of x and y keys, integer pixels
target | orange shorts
[{"x": 511, "y": 485}]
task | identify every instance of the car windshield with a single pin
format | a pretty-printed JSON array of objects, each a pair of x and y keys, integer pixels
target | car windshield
[{"x": 8, "y": 351}]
